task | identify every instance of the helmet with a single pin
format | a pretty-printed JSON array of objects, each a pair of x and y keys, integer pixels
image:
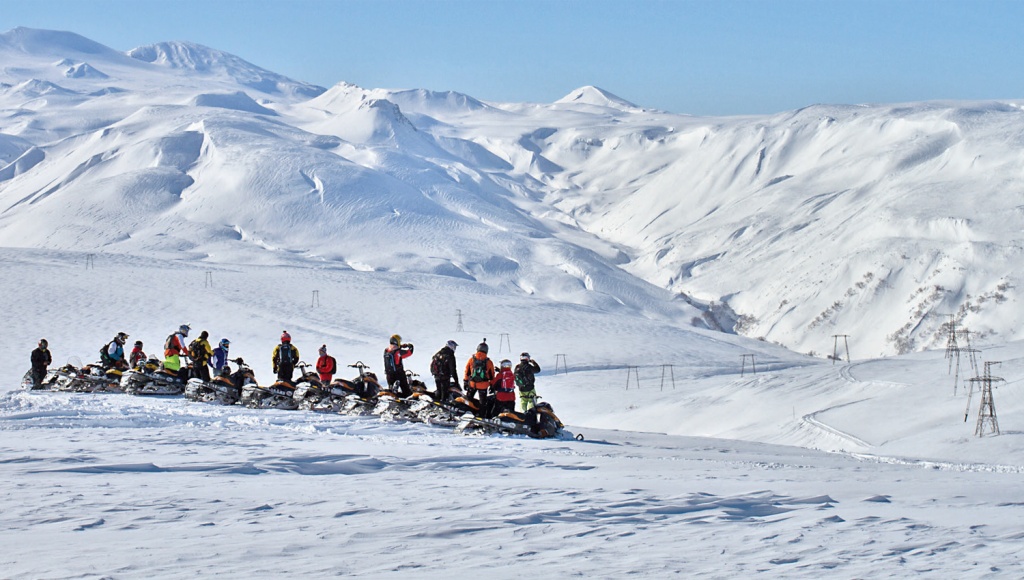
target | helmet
[
  {"x": 121, "y": 337},
  {"x": 43, "y": 344},
  {"x": 204, "y": 335},
  {"x": 452, "y": 344},
  {"x": 285, "y": 337},
  {"x": 225, "y": 343},
  {"x": 396, "y": 340},
  {"x": 525, "y": 356},
  {"x": 138, "y": 344},
  {"x": 482, "y": 347},
  {"x": 183, "y": 329},
  {"x": 506, "y": 364},
  {"x": 323, "y": 349}
]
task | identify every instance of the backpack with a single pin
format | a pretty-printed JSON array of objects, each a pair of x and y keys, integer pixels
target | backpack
[
  {"x": 169, "y": 343},
  {"x": 389, "y": 362},
  {"x": 479, "y": 373},
  {"x": 284, "y": 354},
  {"x": 195, "y": 351},
  {"x": 104, "y": 355},
  {"x": 439, "y": 364}
]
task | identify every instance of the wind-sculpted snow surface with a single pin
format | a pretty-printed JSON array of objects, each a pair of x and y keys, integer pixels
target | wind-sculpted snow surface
[{"x": 175, "y": 489}]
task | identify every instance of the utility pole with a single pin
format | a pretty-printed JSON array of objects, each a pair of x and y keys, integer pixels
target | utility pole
[
  {"x": 987, "y": 411},
  {"x": 458, "y": 325},
  {"x": 753, "y": 366},
  {"x": 835, "y": 347}
]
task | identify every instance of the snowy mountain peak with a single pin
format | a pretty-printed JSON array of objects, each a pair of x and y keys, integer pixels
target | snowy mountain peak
[
  {"x": 50, "y": 42},
  {"x": 201, "y": 59},
  {"x": 590, "y": 95}
]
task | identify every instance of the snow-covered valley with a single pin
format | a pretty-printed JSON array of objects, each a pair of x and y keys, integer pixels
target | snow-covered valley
[{"x": 642, "y": 252}]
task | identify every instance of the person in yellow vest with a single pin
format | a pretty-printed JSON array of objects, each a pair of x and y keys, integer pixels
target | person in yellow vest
[{"x": 174, "y": 350}]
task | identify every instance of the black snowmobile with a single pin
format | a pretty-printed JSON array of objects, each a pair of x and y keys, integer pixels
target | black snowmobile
[
  {"x": 355, "y": 397},
  {"x": 151, "y": 379},
  {"x": 309, "y": 389},
  {"x": 539, "y": 422},
  {"x": 392, "y": 406},
  {"x": 223, "y": 389}
]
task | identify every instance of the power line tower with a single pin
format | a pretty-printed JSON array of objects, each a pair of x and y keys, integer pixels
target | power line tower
[
  {"x": 952, "y": 348},
  {"x": 753, "y": 365},
  {"x": 458, "y": 325},
  {"x": 970, "y": 354},
  {"x": 970, "y": 351},
  {"x": 987, "y": 412},
  {"x": 835, "y": 347}
]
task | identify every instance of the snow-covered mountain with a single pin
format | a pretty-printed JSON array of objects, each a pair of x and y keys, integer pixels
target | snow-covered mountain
[{"x": 872, "y": 221}]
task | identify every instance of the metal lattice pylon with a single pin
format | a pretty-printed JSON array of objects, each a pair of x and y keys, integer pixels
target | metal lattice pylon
[{"x": 987, "y": 411}]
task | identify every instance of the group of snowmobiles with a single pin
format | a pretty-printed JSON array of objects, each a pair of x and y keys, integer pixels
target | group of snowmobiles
[{"x": 362, "y": 395}]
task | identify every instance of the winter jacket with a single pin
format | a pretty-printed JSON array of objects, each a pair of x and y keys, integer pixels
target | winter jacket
[
  {"x": 219, "y": 359},
  {"x": 488, "y": 374},
  {"x": 41, "y": 359},
  {"x": 294, "y": 358},
  {"x": 447, "y": 367},
  {"x": 200, "y": 351},
  {"x": 326, "y": 366},
  {"x": 135, "y": 357},
  {"x": 393, "y": 356},
  {"x": 172, "y": 354},
  {"x": 525, "y": 372},
  {"x": 113, "y": 353},
  {"x": 504, "y": 385}
]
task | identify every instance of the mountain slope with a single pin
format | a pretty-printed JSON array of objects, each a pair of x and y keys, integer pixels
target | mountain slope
[{"x": 870, "y": 221}]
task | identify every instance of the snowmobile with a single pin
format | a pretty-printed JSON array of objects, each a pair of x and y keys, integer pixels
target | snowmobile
[
  {"x": 355, "y": 397},
  {"x": 539, "y": 422},
  {"x": 309, "y": 389},
  {"x": 223, "y": 389},
  {"x": 444, "y": 413},
  {"x": 151, "y": 379},
  {"x": 280, "y": 395},
  {"x": 391, "y": 405},
  {"x": 49, "y": 382},
  {"x": 91, "y": 378}
]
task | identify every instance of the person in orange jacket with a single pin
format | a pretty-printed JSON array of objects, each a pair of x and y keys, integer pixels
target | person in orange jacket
[{"x": 479, "y": 374}]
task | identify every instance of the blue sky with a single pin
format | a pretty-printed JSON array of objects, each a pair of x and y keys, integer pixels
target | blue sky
[{"x": 723, "y": 57}]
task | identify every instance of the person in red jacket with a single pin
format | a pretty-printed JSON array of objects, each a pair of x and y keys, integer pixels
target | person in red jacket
[
  {"x": 393, "y": 366},
  {"x": 326, "y": 366},
  {"x": 504, "y": 389}
]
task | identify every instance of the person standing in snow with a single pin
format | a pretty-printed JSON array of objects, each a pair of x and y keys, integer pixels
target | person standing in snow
[
  {"x": 137, "y": 357},
  {"x": 479, "y": 374},
  {"x": 503, "y": 388},
  {"x": 525, "y": 371},
  {"x": 444, "y": 370},
  {"x": 174, "y": 350},
  {"x": 219, "y": 360},
  {"x": 112, "y": 354},
  {"x": 286, "y": 355},
  {"x": 200, "y": 352},
  {"x": 394, "y": 368},
  {"x": 326, "y": 366},
  {"x": 40, "y": 360}
]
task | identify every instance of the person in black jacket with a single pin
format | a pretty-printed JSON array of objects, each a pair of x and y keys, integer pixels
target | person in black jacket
[
  {"x": 525, "y": 371},
  {"x": 40, "y": 360},
  {"x": 445, "y": 371}
]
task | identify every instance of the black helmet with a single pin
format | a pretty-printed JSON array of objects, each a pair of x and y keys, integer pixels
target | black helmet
[
  {"x": 482, "y": 347},
  {"x": 43, "y": 344},
  {"x": 525, "y": 356},
  {"x": 121, "y": 337},
  {"x": 138, "y": 343}
]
